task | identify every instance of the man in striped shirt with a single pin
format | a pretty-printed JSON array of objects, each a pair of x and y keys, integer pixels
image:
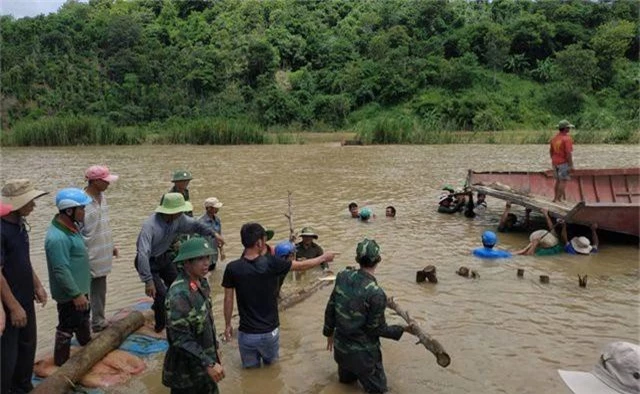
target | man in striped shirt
[{"x": 99, "y": 241}]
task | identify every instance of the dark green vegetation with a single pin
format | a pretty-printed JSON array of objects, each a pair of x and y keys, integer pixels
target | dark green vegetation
[{"x": 395, "y": 71}]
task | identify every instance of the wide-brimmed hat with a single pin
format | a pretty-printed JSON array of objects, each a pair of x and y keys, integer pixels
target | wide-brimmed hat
[
  {"x": 212, "y": 202},
  {"x": 545, "y": 237},
  {"x": 174, "y": 203},
  {"x": 565, "y": 124},
  {"x": 581, "y": 245},
  {"x": 194, "y": 247},
  {"x": 181, "y": 175},
  {"x": 18, "y": 192},
  {"x": 308, "y": 232},
  {"x": 5, "y": 209},
  {"x": 100, "y": 172},
  {"x": 617, "y": 371}
]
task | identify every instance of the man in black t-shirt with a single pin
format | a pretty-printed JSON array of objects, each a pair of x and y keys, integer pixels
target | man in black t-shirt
[{"x": 254, "y": 277}]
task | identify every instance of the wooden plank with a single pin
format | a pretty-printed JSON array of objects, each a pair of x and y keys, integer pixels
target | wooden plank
[{"x": 528, "y": 201}]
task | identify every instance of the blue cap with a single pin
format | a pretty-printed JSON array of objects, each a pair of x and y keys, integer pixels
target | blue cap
[
  {"x": 489, "y": 238},
  {"x": 284, "y": 248},
  {"x": 365, "y": 213}
]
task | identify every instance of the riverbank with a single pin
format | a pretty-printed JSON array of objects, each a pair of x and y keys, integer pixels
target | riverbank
[{"x": 72, "y": 131}]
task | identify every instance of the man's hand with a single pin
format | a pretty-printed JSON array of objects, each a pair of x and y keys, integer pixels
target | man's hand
[
  {"x": 219, "y": 238},
  {"x": 330, "y": 343},
  {"x": 3, "y": 319},
  {"x": 594, "y": 226},
  {"x": 412, "y": 328},
  {"x": 150, "y": 289},
  {"x": 18, "y": 316},
  {"x": 328, "y": 257},
  {"x": 41, "y": 295},
  {"x": 81, "y": 303},
  {"x": 216, "y": 373},
  {"x": 545, "y": 211},
  {"x": 222, "y": 255},
  {"x": 508, "y": 205},
  {"x": 228, "y": 333}
]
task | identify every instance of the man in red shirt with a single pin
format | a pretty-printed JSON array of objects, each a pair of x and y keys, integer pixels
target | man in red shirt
[{"x": 560, "y": 150}]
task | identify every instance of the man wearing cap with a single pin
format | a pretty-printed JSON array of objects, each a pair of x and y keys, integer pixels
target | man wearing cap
[
  {"x": 307, "y": 248},
  {"x": 192, "y": 363},
  {"x": 255, "y": 279},
  {"x": 354, "y": 322},
  {"x": 69, "y": 272},
  {"x": 99, "y": 241},
  {"x": 487, "y": 251},
  {"x": 154, "y": 256},
  {"x": 180, "y": 180},
  {"x": 211, "y": 219},
  {"x": 560, "y": 150},
  {"x": 20, "y": 286},
  {"x": 580, "y": 245},
  {"x": 617, "y": 371}
]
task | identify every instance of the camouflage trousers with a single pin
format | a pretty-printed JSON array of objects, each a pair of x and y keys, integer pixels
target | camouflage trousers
[
  {"x": 206, "y": 387},
  {"x": 372, "y": 378}
]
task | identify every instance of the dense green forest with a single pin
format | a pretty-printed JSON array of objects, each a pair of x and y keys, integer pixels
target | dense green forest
[{"x": 225, "y": 71}]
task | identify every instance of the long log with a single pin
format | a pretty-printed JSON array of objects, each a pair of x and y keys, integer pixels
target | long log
[
  {"x": 297, "y": 297},
  {"x": 429, "y": 343},
  {"x": 65, "y": 378}
]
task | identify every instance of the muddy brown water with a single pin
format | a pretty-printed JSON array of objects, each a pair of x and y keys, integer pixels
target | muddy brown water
[{"x": 504, "y": 334}]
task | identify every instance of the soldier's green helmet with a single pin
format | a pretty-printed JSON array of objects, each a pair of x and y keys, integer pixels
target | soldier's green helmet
[
  {"x": 181, "y": 175},
  {"x": 368, "y": 252},
  {"x": 193, "y": 248}
]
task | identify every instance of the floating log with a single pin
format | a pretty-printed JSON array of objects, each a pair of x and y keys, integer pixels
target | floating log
[
  {"x": 544, "y": 278},
  {"x": 463, "y": 271},
  {"x": 582, "y": 280},
  {"x": 297, "y": 297},
  {"x": 429, "y": 343},
  {"x": 65, "y": 378},
  {"x": 352, "y": 142},
  {"x": 520, "y": 272}
]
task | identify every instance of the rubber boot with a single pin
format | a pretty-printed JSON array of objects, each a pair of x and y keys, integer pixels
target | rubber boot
[
  {"x": 62, "y": 347},
  {"x": 83, "y": 333}
]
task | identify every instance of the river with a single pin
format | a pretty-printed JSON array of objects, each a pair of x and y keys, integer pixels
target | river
[{"x": 504, "y": 334}]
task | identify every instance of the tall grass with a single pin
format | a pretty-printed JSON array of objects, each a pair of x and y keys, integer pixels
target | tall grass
[
  {"x": 70, "y": 130},
  {"x": 213, "y": 131}
]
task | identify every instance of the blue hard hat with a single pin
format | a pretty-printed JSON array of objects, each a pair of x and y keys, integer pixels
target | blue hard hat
[
  {"x": 285, "y": 248},
  {"x": 489, "y": 238},
  {"x": 365, "y": 213},
  {"x": 71, "y": 197}
]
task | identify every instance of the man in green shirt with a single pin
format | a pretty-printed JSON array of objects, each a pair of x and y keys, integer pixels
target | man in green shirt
[
  {"x": 192, "y": 362},
  {"x": 307, "y": 248},
  {"x": 69, "y": 272},
  {"x": 354, "y": 322}
]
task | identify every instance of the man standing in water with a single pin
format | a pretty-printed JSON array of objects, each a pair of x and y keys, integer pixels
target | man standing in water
[
  {"x": 20, "y": 286},
  {"x": 192, "y": 363},
  {"x": 97, "y": 237},
  {"x": 354, "y": 322},
  {"x": 560, "y": 150},
  {"x": 256, "y": 278},
  {"x": 154, "y": 255},
  {"x": 69, "y": 273},
  {"x": 210, "y": 218}
]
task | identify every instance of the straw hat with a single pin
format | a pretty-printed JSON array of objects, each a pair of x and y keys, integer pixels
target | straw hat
[
  {"x": 581, "y": 245},
  {"x": 212, "y": 202},
  {"x": 19, "y": 192},
  {"x": 174, "y": 203},
  {"x": 546, "y": 238}
]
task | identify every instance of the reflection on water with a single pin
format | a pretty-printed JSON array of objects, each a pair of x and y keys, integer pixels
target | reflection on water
[{"x": 504, "y": 334}]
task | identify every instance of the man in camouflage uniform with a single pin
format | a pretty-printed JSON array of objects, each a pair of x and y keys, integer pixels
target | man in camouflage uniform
[
  {"x": 354, "y": 322},
  {"x": 192, "y": 363}
]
